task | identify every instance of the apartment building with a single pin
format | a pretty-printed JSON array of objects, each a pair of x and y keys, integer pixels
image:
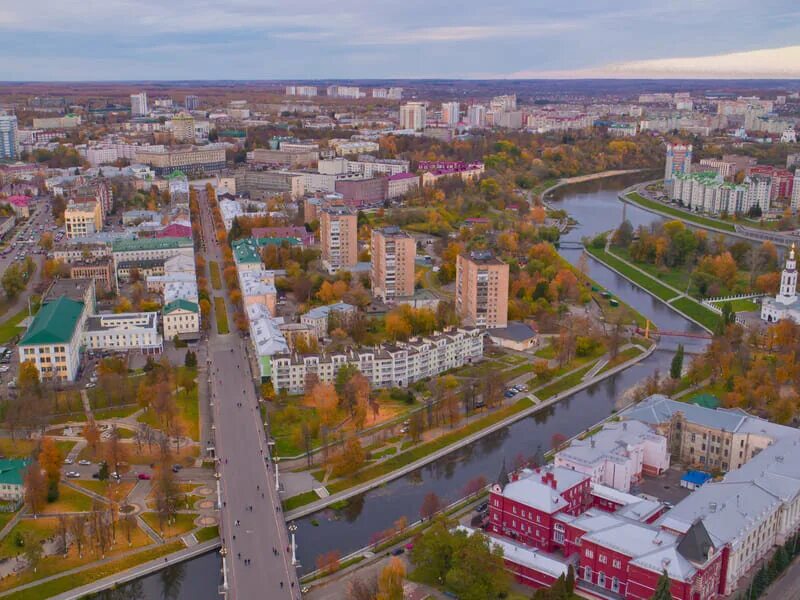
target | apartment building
[
  {"x": 99, "y": 270},
  {"x": 413, "y": 116},
  {"x": 83, "y": 218},
  {"x": 338, "y": 226},
  {"x": 192, "y": 160},
  {"x": 154, "y": 250},
  {"x": 182, "y": 127},
  {"x": 9, "y": 138},
  {"x": 360, "y": 193},
  {"x": 139, "y": 106},
  {"x": 401, "y": 184},
  {"x": 319, "y": 318},
  {"x": 392, "y": 263},
  {"x": 53, "y": 340},
  {"x": 268, "y": 183},
  {"x": 679, "y": 160},
  {"x": 451, "y": 113},
  {"x": 397, "y": 365},
  {"x": 291, "y": 157},
  {"x": 482, "y": 290},
  {"x": 301, "y": 90},
  {"x": 123, "y": 331}
]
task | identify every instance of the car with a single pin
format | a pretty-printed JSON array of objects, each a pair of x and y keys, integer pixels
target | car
[
  {"x": 114, "y": 475},
  {"x": 73, "y": 474},
  {"x": 67, "y": 461},
  {"x": 176, "y": 468},
  {"x": 398, "y": 551},
  {"x": 84, "y": 463},
  {"x": 143, "y": 476},
  {"x": 509, "y": 394},
  {"x": 96, "y": 475},
  {"x": 91, "y": 384},
  {"x": 483, "y": 507}
]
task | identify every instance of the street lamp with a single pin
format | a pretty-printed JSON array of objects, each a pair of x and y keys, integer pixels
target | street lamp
[{"x": 292, "y": 528}]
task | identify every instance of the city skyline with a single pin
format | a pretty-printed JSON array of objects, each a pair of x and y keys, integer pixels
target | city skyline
[{"x": 248, "y": 39}]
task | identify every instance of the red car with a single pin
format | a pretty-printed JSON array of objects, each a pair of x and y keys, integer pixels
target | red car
[{"x": 144, "y": 476}]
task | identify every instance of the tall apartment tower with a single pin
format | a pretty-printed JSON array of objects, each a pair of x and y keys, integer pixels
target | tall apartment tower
[
  {"x": 412, "y": 116},
  {"x": 476, "y": 115},
  {"x": 183, "y": 128},
  {"x": 338, "y": 227},
  {"x": 191, "y": 102},
  {"x": 139, "y": 104},
  {"x": 392, "y": 266},
  {"x": 796, "y": 191},
  {"x": 451, "y": 113},
  {"x": 9, "y": 138},
  {"x": 482, "y": 290},
  {"x": 679, "y": 160}
]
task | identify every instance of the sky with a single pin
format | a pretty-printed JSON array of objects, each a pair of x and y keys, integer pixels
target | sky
[{"x": 90, "y": 40}]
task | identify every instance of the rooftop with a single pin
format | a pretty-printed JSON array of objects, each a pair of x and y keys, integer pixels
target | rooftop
[
  {"x": 12, "y": 471},
  {"x": 151, "y": 244},
  {"x": 55, "y": 323}
]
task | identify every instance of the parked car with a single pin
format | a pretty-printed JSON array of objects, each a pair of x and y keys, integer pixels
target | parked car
[
  {"x": 67, "y": 461},
  {"x": 73, "y": 474},
  {"x": 84, "y": 462},
  {"x": 176, "y": 468},
  {"x": 398, "y": 551},
  {"x": 144, "y": 476}
]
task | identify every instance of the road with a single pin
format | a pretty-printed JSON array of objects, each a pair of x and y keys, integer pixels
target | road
[{"x": 258, "y": 561}]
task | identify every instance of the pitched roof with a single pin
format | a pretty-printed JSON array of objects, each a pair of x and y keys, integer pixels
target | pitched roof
[
  {"x": 12, "y": 471},
  {"x": 696, "y": 545},
  {"x": 180, "y": 304},
  {"x": 54, "y": 323}
]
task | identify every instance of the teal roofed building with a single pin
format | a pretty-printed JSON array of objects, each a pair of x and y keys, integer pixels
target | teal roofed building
[
  {"x": 12, "y": 479},
  {"x": 181, "y": 318},
  {"x": 247, "y": 252},
  {"x": 53, "y": 340}
]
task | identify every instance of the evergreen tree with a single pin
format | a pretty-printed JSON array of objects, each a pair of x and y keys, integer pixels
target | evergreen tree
[
  {"x": 760, "y": 582},
  {"x": 570, "y": 579},
  {"x": 662, "y": 588},
  {"x": 677, "y": 363}
]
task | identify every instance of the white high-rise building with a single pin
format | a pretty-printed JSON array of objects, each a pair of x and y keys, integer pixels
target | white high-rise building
[
  {"x": 679, "y": 160},
  {"x": 451, "y": 113},
  {"x": 796, "y": 191},
  {"x": 504, "y": 103},
  {"x": 139, "y": 104},
  {"x": 301, "y": 90},
  {"x": 9, "y": 138},
  {"x": 413, "y": 116},
  {"x": 759, "y": 192},
  {"x": 476, "y": 115}
]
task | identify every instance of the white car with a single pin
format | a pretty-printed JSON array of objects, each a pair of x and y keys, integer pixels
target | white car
[
  {"x": 73, "y": 474},
  {"x": 67, "y": 461},
  {"x": 84, "y": 462}
]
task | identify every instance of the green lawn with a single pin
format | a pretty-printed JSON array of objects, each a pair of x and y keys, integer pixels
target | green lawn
[
  {"x": 69, "y": 500},
  {"x": 622, "y": 357},
  {"x": 546, "y": 352},
  {"x": 183, "y": 523},
  {"x": 299, "y": 500},
  {"x": 216, "y": 280},
  {"x": 564, "y": 383},
  {"x": 10, "y": 327},
  {"x": 698, "y": 312},
  {"x": 206, "y": 533},
  {"x": 221, "y": 314},
  {"x": 681, "y": 214},
  {"x": 647, "y": 283},
  {"x": 518, "y": 370},
  {"x": 68, "y": 582},
  {"x": 741, "y": 305}
]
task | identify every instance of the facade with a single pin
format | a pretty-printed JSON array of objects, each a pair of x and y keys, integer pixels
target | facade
[
  {"x": 182, "y": 126},
  {"x": 83, "y": 218},
  {"x": 258, "y": 287},
  {"x": 123, "y": 331},
  {"x": 785, "y": 305},
  {"x": 759, "y": 192},
  {"x": 392, "y": 263},
  {"x": 301, "y": 90},
  {"x": 53, "y": 340},
  {"x": 12, "y": 479},
  {"x": 139, "y": 105},
  {"x": 191, "y": 102},
  {"x": 9, "y": 138},
  {"x": 126, "y": 253},
  {"x": 318, "y": 318},
  {"x": 180, "y": 318},
  {"x": 266, "y": 337},
  {"x": 269, "y": 182},
  {"x": 99, "y": 270},
  {"x": 482, "y": 290},
  {"x": 385, "y": 366},
  {"x": 291, "y": 157},
  {"x": 679, "y": 160},
  {"x": 618, "y": 455},
  {"x": 476, "y": 115},
  {"x": 360, "y": 193},
  {"x": 412, "y": 116},
  {"x": 451, "y": 113},
  {"x": 401, "y": 184},
  {"x": 338, "y": 227},
  {"x": 301, "y": 234},
  {"x": 192, "y": 160}
]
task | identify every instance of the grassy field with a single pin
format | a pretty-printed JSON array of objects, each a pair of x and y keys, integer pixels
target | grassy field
[
  {"x": 120, "y": 490},
  {"x": 546, "y": 352},
  {"x": 299, "y": 500},
  {"x": 183, "y": 523},
  {"x": 221, "y": 314},
  {"x": 207, "y": 533},
  {"x": 21, "y": 448},
  {"x": 698, "y": 312},
  {"x": 216, "y": 280},
  {"x": 10, "y": 328},
  {"x": 622, "y": 357},
  {"x": 90, "y": 575},
  {"x": 69, "y": 500},
  {"x": 680, "y": 214},
  {"x": 642, "y": 280},
  {"x": 564, "y": 383},
  {"x": 741, "y": 305}
]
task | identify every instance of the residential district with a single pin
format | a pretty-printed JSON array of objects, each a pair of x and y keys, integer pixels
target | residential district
[{"x": 233, "y": 318}]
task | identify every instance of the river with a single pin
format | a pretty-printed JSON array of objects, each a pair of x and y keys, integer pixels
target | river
[{"x": 595, "y": 206}]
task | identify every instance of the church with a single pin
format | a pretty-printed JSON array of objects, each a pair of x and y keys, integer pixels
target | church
[{"x": 786, "y": 304}]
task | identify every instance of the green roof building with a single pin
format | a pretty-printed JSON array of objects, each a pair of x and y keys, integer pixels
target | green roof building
[
  {"x": 248, "y": 251},
  {"x": 53, "y": 340},
  {"x": 180, "y": 304},
  {"x": 12, "y": 479}
]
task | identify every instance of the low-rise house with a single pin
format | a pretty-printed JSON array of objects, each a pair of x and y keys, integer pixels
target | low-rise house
[
  {"x": 12, "y": 479},
  {"x": 317, "y": 318}
]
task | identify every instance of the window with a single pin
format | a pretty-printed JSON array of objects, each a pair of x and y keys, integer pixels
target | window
[
  {"x": 601, "y": 579},
  {"x": 588, "y": 553},
  {"x": 617, "y": 564},
  {"x": 587, "y": 574},
  {"x": 602, "y": 559},
  {"x": 614, "y": 584}
]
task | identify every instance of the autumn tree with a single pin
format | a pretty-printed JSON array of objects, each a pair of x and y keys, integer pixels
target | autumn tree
[
  {"x": 350, "y": 459},
  {"x": 50, "y": 460},
  {"x": 431, "y": 504},
  {"x": 35, "y": 487},
  {"x": 390, "y": 581},
  {"x": 324, "y": 397}
]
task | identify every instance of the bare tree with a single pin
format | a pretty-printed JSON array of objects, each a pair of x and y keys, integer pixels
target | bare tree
[{"x": 77, "y": 528}]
